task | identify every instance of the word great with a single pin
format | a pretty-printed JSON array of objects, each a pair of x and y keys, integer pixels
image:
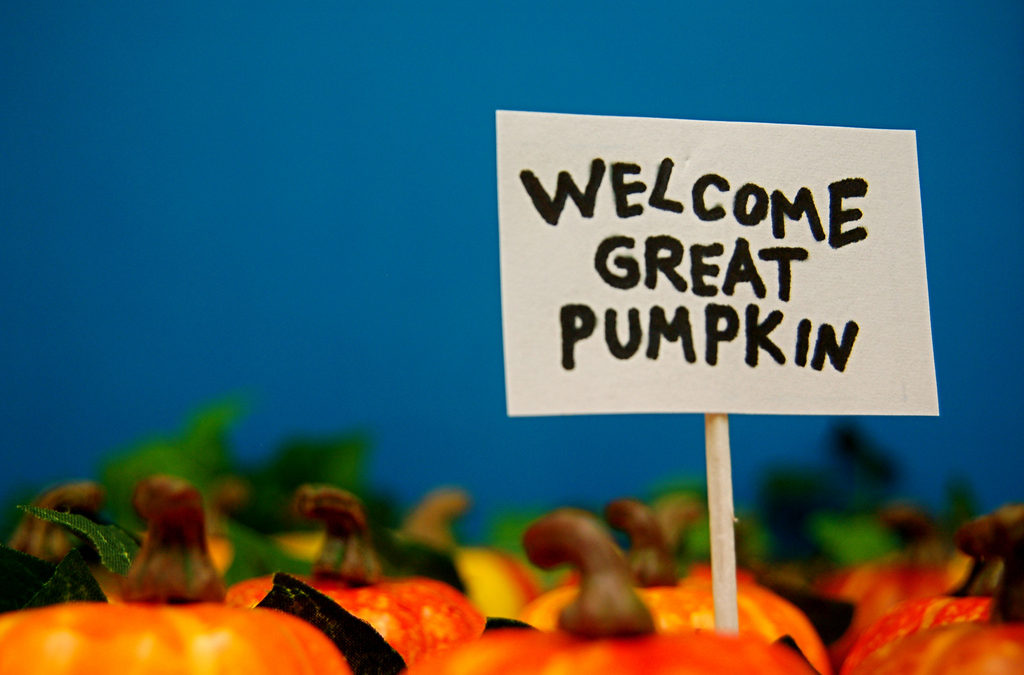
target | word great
[
  {"x": 664, "y": 254},
  {"x": 751, "y": 203}
]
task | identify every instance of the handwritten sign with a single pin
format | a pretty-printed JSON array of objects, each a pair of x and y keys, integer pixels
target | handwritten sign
[{"x": 658, "y": 265}]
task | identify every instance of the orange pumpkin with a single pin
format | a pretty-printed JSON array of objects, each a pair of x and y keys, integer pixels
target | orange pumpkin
[
  {"x": 88, "y": 638},
  {"x": 958, "y": 649},
  {"x": 923, "y": 570},
  {"x": 196, "y": 634},
  {"x": 414, "y": 615},
  {"x": 606, "y": 628},
  {"x": 913, "y": 616},
  {"x": 958, "y": 634},
  {"x": 517, "y": 652},
  {"x": 686, "y": 605}
]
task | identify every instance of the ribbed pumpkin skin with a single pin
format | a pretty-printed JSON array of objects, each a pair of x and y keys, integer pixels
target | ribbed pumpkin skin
[
  {"x": 690, "y": 606},
  {"x": 912, "y": 617},
  {"x": 415, "y": 616},
  {"x": 522, "y": 652},
  {"x": 99, "y": 639},
  {"x": 960, "y": 649},
  {"x": 875, "y": 588}
]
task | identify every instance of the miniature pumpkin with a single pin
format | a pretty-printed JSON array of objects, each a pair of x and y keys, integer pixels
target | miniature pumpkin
[
  {"x": 414, "y": 615},
  {"x": 606, "y": 628},
  {"x": 686, "y": 605},
  {"x": 497, "y": 582},
  {"x": 956, "y": 649},
  {"x": 923, "y": 570},
  {"x": 957, "y": 630},
  {"x": 913, "y": 616},
  {"x": 195, "y": 634}
]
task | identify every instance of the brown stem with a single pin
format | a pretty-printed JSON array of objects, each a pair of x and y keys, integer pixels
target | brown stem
[
  {"x": 173, "y": 565},
  {"x": 1000, "y": 535},
  {"x": 348, "y": 554},
  {"x": 430, "y": 522},
  {"x": 677, "y": 513},
  {"x": 650, "y": 561},
  {"x": 607, "y": 605},
  {"x": 982, "y": 579},
  {"x": 50, "y": 541}
]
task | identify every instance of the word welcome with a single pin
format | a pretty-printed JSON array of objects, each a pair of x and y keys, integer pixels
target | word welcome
[{"x": 751, "y": 203}]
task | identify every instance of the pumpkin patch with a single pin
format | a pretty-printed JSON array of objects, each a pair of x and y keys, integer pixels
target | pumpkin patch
[{"x": 355, "y": 610}]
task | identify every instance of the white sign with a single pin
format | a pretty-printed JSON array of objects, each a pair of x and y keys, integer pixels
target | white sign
[{"x": 658, "y": 265}]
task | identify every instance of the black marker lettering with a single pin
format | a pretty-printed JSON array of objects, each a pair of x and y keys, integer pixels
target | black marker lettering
[
  {"x": 551, "y": 208},
  {"x": 578, "y": 322}
]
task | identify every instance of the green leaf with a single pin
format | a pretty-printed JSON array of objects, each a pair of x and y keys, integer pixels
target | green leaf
[
  {"x": 365, "y": 650},
  {"x": 71, "y": 581},
  {"x": 256, "y": 555},
  {"x": 402, "y": 557},
  {"x": 115, "y": 546},
  {"x": 21, "y": 577},
  {"x": 852, "y": 539}
]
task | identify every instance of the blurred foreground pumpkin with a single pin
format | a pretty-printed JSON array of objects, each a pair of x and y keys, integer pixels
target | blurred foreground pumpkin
[
  {"x": 687, "y": 605},
  {"x": 414, "y": 615},
  {"x": 145, "y": 634},
  {"x": 606, "y": 629},
  {"x": 498, "y": 583},
  {"x": 946, "y": 635}
]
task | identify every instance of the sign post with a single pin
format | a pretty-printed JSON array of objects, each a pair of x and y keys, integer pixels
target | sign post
[
  {"x": 721, "y": 518},
  {"x": 677, "y": 266}
]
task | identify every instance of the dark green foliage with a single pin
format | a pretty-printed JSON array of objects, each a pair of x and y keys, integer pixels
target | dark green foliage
[
  {"x": 27, "y": 582},
  {"x": 21, "y": 577},
  {"x": 115, "y": 545},
  {"x": 401, "y": 557},
  {"x": 256, "y": 555},
  {"x": 365, "y": 650},
  {"x": 71, "y": 582}
]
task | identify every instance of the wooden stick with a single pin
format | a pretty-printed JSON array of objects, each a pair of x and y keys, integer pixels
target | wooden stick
[{"x": 720, "y": 509}]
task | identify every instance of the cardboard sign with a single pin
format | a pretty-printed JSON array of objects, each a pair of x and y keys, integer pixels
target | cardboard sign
[{"x": 658, "y": 265}]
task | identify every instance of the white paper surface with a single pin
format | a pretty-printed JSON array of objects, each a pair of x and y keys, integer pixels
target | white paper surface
[{"x": 867, "y": 274}]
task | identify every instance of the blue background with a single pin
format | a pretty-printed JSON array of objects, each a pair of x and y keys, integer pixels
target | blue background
[{"x": 298, "y": 204}]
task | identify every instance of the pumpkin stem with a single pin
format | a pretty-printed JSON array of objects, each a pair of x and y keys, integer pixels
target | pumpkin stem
[
  {"x": 50, "y": 541},
  {"x": 430, "y": 522},
  {"x": 650, "y": 560},
  {"x": 677, "y": 513},
  {"x": 1000, "y": 534},
  {"x": 173, "y": 565},
  {"x": 347, "y": 555},
  {"x": 606, "y": 605},
  {"x": 982, "y": 579}
]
